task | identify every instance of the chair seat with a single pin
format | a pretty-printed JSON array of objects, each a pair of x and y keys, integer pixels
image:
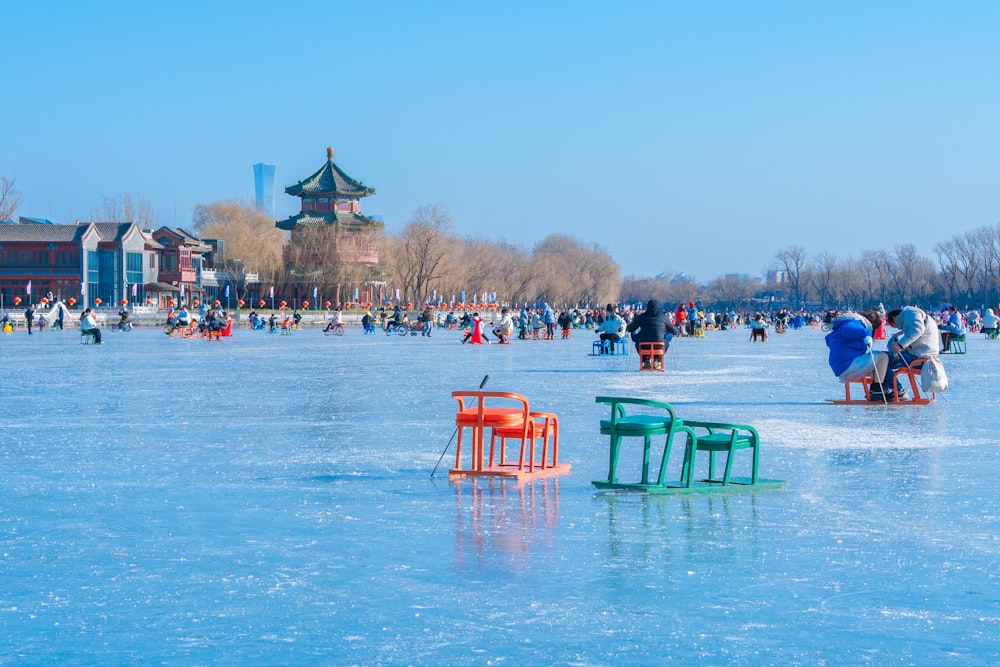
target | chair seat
[
  {"x": 637, "y": 425},
  {"x": 491, "y": 416},
  {"x": 721, "y": 442},
  {"x": 720, "y": 437}
]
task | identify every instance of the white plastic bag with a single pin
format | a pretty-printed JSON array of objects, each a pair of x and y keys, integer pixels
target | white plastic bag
[{"x": 932, "y": 376}]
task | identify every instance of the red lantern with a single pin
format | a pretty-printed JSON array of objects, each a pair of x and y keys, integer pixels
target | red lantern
[
  {"x": 171, "y": 303},
  {"x": 45, "y": 301},
  {"x": 124, "y": 302},
  {"x": 326, "y": 303},
  {"x": 348, "y": 305},
  {"x": 240, "y": 303},
  {"x": 305, "y": 304},
  {"x": 217, "y": 303},
  {"x": 283, "y": 304},
  {"x": 409, "y": 305},
  {"x": 196, "y": 303},
  {"x": 98, "y": 302},
  {"x": 72, "y": 302},
  {"x": 17, "y": 301},
  {"x": 149, "y": 302},
  {"x": 262, "y": 302}
]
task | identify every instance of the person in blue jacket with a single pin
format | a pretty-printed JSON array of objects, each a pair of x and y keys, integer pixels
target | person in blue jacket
[
  {"x": 851, "y": 355},
  {"x": 953, "y": 328}
]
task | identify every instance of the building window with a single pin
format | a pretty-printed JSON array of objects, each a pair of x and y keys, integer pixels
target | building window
[
  {"x": 133, "y": 268},
  {"x": 92, "y": 269}
]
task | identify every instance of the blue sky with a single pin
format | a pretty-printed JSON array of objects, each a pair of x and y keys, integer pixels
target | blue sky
[{"x": 700, "y": 137}]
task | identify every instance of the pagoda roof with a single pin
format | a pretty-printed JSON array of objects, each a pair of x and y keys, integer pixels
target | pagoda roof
[
  {"x": 330, "y": 181},
  {"x": 352, "y": 222}
]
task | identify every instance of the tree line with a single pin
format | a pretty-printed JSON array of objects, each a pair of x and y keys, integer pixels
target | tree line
[
  {"x": 425, "y": 261},
  {"x": 966, "y": 273},
  {"x": 427, "y": 258}
]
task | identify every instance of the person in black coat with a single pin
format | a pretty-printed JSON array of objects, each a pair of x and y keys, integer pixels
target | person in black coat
[{"x": 652, "y": 325}]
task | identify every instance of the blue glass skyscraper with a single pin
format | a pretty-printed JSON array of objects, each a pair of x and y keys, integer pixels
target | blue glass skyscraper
[{"x": 263, "y": 188}]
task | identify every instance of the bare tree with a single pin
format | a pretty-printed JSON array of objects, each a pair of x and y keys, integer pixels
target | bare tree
[
  {"x": 949, "y": 267},
  {"x": 911, "y": 274},
  {"x": 731, "y": 291},
  {"x": 823, "y": 276},
  {"x": 125, "y": 208},
  {"x": 326, "y": 258},
  {"x": 486, "y": 266},
  {"x": 566, "y": 272},
  {"x": 251, "y": 241},
  {"x": 10, "y": 198},
  {"x": 792, "y": 261},
  {"x": 422, "y": 249}
]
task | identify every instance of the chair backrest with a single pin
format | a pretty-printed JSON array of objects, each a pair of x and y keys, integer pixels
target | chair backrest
[
  {"x": 497, "y": 399},
  {"x": 652, "y": 348},
  {"x": 618, "y": 404}
]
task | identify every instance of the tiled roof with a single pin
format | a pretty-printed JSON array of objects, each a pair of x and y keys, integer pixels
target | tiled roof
[
  {"x": 329, "y": 181},
  {"x": 347, "y": 221},
  {"x": 34, "y": 232},
  {"x": 110, "y": 231},
  {"x": 150, "y": 241},
  {"x": 191, "y": 238},
  {"x": 186, "y": 238}
]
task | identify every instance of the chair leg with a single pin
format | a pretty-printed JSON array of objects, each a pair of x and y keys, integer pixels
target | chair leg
[
  {"x": 645, "y": 459},
  {"x": 555, "y": 443},
  {"x": 458, "y": 450},
  {"x": 532, "y": 434},
  {"x": 616, "y": 443},
  {"x": 687, "y": 466},
  {"x": 729, "y": 467},
  {"x": 662, "y": 477},
  {"x": 550, "y": 429}
]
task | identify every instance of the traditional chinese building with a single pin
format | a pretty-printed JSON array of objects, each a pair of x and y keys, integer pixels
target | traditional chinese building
[
  {"x": 331, "y": 245},
  {"x": 86, "y": 261},
  {"x": 330, "y": 197},
  {"x": 180, "y": 257}
]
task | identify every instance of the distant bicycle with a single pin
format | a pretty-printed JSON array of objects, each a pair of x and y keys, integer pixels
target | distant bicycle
[
  {"x": 398, "y": 329},
  {"x": 826, "y": 327}
]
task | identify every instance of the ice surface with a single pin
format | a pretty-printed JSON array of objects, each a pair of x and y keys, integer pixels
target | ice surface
[{"x": 268, "y": 500}]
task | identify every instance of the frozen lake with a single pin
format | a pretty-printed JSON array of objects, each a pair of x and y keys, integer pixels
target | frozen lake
[{"x": 268, "y": 500}]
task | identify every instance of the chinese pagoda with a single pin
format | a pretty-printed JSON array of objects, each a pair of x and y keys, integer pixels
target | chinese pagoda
[{"x": 330, "y": 199}]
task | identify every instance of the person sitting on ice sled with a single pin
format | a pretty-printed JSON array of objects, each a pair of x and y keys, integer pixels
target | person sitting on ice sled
[
  {"x": 476, "y": 333},
  {"x": 851, "y": 355}
]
